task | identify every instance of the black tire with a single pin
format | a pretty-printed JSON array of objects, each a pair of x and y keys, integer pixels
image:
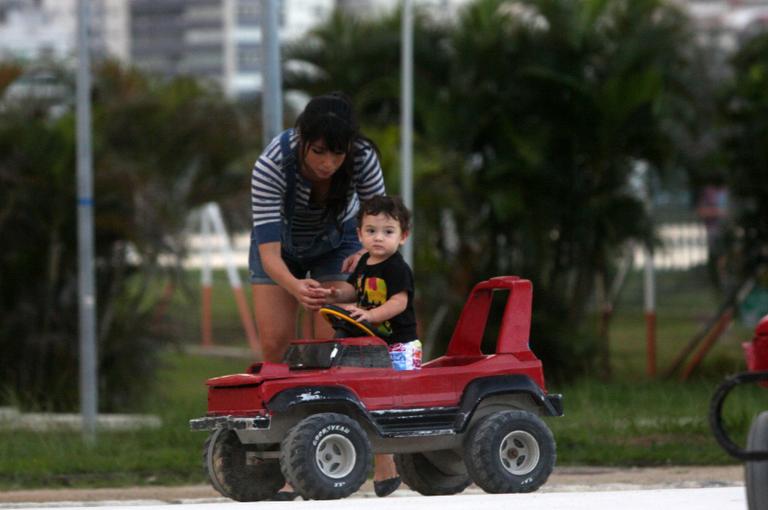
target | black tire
[
  {"x": 756, "y": 473},
  {"x": 510, "y": 451},
  {"x": 326, "y": 456},
  {"x": 438, "y": 473},
  {"x": 237, "y": 474}
]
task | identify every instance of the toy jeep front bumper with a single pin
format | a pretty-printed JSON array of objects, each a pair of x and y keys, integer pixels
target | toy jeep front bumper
[{"x": 231, "y": 422}]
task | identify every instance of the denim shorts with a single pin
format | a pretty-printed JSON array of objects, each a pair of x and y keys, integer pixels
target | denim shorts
[{"x": 323, "y": 268}]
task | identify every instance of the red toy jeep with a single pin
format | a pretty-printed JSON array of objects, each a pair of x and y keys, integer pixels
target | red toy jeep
[{"x": 315, "y": 419}]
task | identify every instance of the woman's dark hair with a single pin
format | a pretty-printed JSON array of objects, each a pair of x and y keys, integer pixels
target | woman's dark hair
[{"x": 331, "y": 118}]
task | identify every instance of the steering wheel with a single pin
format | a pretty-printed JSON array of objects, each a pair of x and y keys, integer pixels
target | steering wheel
[{"x": 346, "y": 326}]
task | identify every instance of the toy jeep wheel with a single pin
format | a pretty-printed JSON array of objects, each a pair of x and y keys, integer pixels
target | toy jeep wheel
[
  {"x": 438, "y": 473},
  {"x": 236, "y": 471},
  {"x": 510, "y": 451},
  {"x": 756, "y": 472},
  {"x": 326, "y": 456}
]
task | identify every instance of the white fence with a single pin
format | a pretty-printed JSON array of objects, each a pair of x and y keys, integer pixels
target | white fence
[{"x": 684, "y": 245}]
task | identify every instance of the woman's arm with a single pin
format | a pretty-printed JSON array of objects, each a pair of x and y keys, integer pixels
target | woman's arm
[
  {"x": 369, "y": 182},
  {"x": 350, "y": 263},
  {"x": 268, "y": 187},
  {"x": 369, "y": 179}
]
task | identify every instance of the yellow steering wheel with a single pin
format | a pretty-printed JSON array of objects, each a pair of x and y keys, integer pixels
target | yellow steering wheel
[{"x": 345, "y": 325}]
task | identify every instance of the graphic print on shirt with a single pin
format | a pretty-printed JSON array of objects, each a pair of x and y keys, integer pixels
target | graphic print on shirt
[{"x": 372, "y": 292}]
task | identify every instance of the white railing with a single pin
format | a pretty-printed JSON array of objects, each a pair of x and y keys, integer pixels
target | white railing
[{"x": 684, "y": 245}]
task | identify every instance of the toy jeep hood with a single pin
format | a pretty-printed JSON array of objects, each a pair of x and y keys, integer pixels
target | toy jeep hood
[{"x": 305, "y": 358}]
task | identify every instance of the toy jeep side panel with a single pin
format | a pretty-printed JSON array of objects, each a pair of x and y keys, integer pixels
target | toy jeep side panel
[
  {"x": 443, "y": 386},
  {"x": 368, "y": 385}
]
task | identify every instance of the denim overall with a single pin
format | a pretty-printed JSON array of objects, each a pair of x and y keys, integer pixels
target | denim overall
[{"x": 324, "y": 242}]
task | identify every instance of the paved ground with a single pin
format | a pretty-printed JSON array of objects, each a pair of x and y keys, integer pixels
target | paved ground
[
  {"x": 564, "y": 479},
  {"x": 717, "y": 498}
]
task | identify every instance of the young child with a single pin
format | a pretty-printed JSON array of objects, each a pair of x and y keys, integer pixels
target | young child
[{"x": 381, "y": 285}]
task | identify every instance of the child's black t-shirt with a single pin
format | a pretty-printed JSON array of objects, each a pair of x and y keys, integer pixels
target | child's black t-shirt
[{"x": 376, "y": 283}]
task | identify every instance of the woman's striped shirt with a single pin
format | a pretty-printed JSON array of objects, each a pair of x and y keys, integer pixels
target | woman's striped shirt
[{"x": 268, "y": 186}]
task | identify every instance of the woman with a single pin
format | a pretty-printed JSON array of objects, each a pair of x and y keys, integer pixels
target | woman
[{"x": 305, "y": 192}]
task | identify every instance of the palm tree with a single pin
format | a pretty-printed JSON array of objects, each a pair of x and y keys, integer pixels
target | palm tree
[
  {"x": 746, "y": 124},
  {"x": 554, "y": 103},
  {"x": 361, "y": 57},
  {"x": 529, "y": 122}
]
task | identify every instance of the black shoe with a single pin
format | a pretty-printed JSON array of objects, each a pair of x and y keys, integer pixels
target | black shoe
[
  {"x": 386, "y": 487},
  {"x": 284, "y": 496}
]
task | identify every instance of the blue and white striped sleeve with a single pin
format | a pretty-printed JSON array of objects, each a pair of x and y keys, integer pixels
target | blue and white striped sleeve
[
  {"x": 369, "y": 179},
  {"x": 267, "y": 192}
]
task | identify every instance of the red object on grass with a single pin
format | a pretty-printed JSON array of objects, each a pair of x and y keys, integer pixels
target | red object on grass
[{"x": 756, "y": 351}]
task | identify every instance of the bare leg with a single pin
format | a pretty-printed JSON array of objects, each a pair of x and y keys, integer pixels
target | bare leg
[
  {"x": 307, "y": 323},
  {"x": 384, "y": 467},
  {"x": 275, "y": 311},
  {"x": 323, "y": 328}
]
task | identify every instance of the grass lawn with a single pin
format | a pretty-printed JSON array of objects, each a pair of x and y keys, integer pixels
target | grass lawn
[
  {"x": 169, "y": 455},
  {"x": 628, "y": 420}
]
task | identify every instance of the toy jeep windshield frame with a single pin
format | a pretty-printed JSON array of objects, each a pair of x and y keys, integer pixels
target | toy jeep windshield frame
[{"x": 365, "y": 352}]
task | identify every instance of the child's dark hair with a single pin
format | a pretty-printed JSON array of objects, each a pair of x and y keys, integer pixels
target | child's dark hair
[
  {"x": 331, "y": 118},
  {"x": 392, "y": 206}
]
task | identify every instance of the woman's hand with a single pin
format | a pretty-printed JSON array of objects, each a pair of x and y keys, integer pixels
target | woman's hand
[
  {"x": 350, "y": 263},
  {"x": 311, "y": 294}
]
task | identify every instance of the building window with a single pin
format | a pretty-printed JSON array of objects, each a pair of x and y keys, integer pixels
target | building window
[
  {"x": 248, "y": 12},
  {"x": 248, "y": 58}
]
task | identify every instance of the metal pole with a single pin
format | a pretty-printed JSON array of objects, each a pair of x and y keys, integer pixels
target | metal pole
[
  {"x": 85, "y": 242},
  {"x": 649, "y": 287},
  {"x": 271, "y": 80},
  {"x": 206, "y": 279},
  {"x": 406, "y": 119}
]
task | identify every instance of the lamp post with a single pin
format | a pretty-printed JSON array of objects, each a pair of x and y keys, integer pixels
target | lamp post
[
  {"x": 271, "y": 77},
  {"x": 406, "y": 119},
  {"x": 85, "y": 242}
]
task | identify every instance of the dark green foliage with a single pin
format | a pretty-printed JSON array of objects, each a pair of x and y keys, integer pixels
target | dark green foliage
[
  {"x": 531, "y": 117},
  {"x": 746, "y": 112},
  {"x": 160, "y": 149}
]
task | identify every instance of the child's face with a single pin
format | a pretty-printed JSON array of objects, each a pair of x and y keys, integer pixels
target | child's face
[{"x": 381, "y": 235}]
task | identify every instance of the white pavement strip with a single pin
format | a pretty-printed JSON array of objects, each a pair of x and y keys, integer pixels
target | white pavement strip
[{"x": 721, "y": 498}]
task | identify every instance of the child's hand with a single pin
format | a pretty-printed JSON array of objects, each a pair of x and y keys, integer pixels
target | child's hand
[{"x": 359, "y": 314}]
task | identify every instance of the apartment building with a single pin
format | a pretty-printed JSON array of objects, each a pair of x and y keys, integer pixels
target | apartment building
[
  {"x": 220, "y": 40},
  {"x": 215, "y": 40},
  {"x": 33, "y": 29}
]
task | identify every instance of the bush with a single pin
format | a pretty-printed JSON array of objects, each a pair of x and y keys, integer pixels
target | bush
[{"x": 160, "y": 149}]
